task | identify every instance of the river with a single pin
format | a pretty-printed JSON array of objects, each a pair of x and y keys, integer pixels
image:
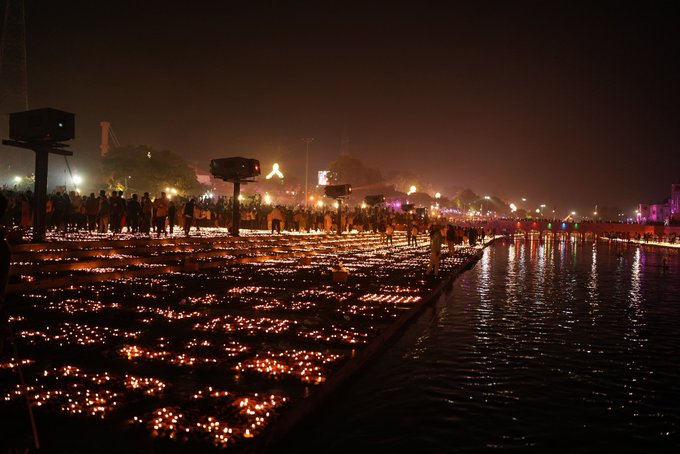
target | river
[{"x": 541, "y": 347}]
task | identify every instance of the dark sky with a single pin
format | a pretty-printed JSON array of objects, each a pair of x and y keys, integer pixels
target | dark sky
[{"x": 571, "y": 104}]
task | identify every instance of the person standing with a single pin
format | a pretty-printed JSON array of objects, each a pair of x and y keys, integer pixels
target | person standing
[
  {"x": 327, "y": 222},
  {"x": 133, "y": 213},
  {"x": 160, "y": 206},
  {"x": 103, "y": 213},
  {"x": 451, "y": 239},
  {"x": 188, "y": 215},
  {"x": 472, "y": 236},
  {"x": 147, "y": 208},
  {"x": 116, "y": 212},
  {"x": 172, "y": 211},
  {"x": 389, "y": 232},
  {"x": 414, "y": 233},
  {"x": 277, "y": 217},
  {"x": 92, "y": 211},
  {"x": 435, "y": 250}
]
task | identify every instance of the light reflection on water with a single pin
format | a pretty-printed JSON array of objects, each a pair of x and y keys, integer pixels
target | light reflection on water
[{"x": 542, "y": 347}]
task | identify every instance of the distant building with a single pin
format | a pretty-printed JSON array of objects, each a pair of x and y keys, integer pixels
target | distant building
[
  {"x": 659, "y": 212},
  {"x": 642, "y": 213},
  {"x": 675, "y": 202},
  {"x": 666, "y": 211}
]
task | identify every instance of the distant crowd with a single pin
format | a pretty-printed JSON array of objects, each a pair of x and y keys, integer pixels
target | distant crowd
[
  {"x": 671, "y": 238},
  {"x": 113, "y": 213}
]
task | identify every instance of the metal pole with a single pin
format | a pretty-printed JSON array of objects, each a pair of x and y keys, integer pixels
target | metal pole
[
  {"x": 40, "y": 195},
  {"x": 307, "y": 141},
  {"x": 236, "y": 212}
]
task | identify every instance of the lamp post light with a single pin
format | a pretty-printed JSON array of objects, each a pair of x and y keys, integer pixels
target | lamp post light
[
  {"x": 307, "y": 141},
  {"x": 486, "y": 197}
]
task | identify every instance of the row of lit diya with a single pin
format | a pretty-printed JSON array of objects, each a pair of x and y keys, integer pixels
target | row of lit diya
[
  {"x": 99, "y": 394},
  {"x": 216, "y": 416}
]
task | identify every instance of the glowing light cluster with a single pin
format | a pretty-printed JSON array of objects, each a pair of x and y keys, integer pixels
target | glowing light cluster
[
  {"x": 235, "y": 323},
  {"x": 324, "y": 294},
  {"x": 169, "y": 314},
  {"x": 72, "y": 390},
  {"x": 249, "y": 289},
  {"x": 233, "y": 418},
  {"x": 135, "y": 352},
  {"x": 80, "y": 401},
  {"x": 335, "y": 333},
  {"x": 73, "y": 306},
  {"x": 274, "y": 304},
  {"x": 387, "y": 298},
  {"x": 11, "y": 363},
  {"x": 369, "y": 311},
  {"x": 67, "y": 333},
  {"x": 229, "y": 349},
  {"x": 307, "y": 366},
  {"x": 148, "y": 385}
]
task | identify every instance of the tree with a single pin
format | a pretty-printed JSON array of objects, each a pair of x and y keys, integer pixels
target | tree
[
  {"x": 351, "y": 170},
  {"x": 142, "y": 169}
]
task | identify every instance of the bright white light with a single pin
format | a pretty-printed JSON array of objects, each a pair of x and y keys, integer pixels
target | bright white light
[
  {"x": 513, "y": 207},
  {"x": 267, "y": 199},
  {"x": 336, "y": 205},
  {"x": 17, "y": 179},
  {"x": 319, "y": 203},
  {"x": 573, "y": 213},
  {"x": 537, "y": 210},
  {"x": 411, "y": 190},
  {"x": 363, "y": 205},
  {"x": 487, "y": 197},
  {"x": 77, "y": 179},
  {"x": 523, "y": 199},
  {"x": 240, "y": 197},
  {"x": 438, "y": 195},
  {"x": 275, "y": 171}
]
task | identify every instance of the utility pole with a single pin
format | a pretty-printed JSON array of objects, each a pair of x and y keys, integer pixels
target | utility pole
[{"x": 307, "y": 141}]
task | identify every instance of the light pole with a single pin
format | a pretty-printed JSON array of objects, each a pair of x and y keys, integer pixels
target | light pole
[{"x": 307, "y": 141}]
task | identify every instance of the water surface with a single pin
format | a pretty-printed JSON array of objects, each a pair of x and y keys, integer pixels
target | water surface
[{"x": 554, "y": 347}]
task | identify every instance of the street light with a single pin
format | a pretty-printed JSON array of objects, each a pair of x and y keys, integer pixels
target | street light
[
  {"x": 481, "y": 208},
  {"x": 307, "y": 141}
]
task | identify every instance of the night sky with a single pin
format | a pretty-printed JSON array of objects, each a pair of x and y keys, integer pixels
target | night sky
[{"x": 570, "y": 104}]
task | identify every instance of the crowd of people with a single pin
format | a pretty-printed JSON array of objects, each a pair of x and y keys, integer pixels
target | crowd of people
[{"x": 113, "y": 213}]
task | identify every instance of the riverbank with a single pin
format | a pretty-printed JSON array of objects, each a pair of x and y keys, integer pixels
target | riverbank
[{"x": 661, "y": 244}]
